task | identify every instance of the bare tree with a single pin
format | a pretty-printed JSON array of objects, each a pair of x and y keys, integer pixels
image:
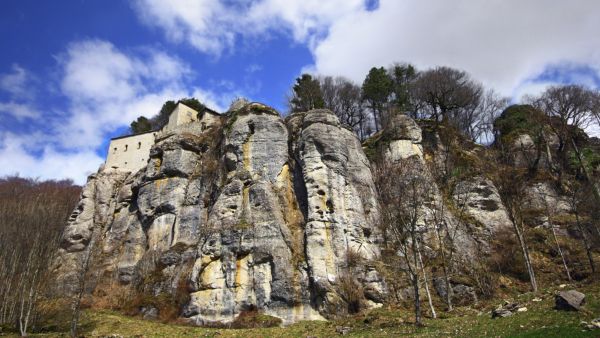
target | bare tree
[
  {"x": 511, "y": 187},
  {"x": 76, "y": 305},
  {"x": 404, "y": 191},
  {"x": 477, "y": 122},
  {"x": 571, "y": 106},
  {"x": 32, "y": 215},
  {"x": 550, "y": 209},
  {"x": 575, "y": 201},
  {"x": 426, "y": 283},
  {"x": 344, "y": 99},
  {"x": 444, "y": 92}
]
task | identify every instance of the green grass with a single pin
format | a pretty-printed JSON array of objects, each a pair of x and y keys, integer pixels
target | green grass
[{"x": 541, "y": 320}]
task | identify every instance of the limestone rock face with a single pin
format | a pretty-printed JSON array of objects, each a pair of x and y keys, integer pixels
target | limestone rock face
[
  {"x": 95, "y": 210},
  {"x": 341, "y": 207},
  {"x": 252, "y": 213},
  {"x": 525, "y": 152},
  {"x": 405, "y": 139},
  {"x": 258, "y": 212},
  {"x": 479, "y": 198},
  {"x": 461, "y": 294}
]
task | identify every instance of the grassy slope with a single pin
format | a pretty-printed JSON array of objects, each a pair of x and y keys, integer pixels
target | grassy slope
[{"x": 541, "y": 320}]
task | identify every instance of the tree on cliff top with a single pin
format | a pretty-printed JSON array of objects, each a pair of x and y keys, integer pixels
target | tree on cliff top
[
  {"x": 377, "y": 89},
  {"x": 344, "y": 98},
  {"x": 141, "y": 125},
  {"x": 306, "y": 94},
  {"x": 403, "y": 75}
]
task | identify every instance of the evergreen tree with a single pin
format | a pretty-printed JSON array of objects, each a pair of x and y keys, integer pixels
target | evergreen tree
[
  {"x": 402, "y": 76},
  {"x": 307, "y": 94},
  {"x": 377, "y": 89},
  {"x": 162, "y": 118},
  {"x": 141, "y": 125},
  {"x": 193, "y": 103}
]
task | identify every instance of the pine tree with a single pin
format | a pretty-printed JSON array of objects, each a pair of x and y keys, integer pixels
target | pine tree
[
  {"x": 307, "y": 94},
  {"x": 377, "y": 89}
]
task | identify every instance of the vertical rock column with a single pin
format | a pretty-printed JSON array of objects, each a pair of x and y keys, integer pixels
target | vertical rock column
[{"x": 342, "y": 209}]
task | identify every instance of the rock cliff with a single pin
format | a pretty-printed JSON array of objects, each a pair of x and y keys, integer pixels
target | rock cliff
[
  {"x": 252, "y": 213},
  {"x": 257, "y": 212}
]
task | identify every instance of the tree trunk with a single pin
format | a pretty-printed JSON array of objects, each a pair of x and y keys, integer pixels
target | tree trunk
[
  {"x": 525, "y": 251},
  {"x": 433, "y": 314},
  {"x": 586, "y": 243},
  {"x": 595, "y": 187},
  {"x": 562, "y": 256},
  {"x": 417, "y": 299},
  {"x": 416, "y": 281},
  {"x": 376, "y": 117},
  {"x": 445, "y": 271}
]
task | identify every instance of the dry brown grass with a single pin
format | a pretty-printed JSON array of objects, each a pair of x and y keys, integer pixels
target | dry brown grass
[{"x": 351, "y": 293}]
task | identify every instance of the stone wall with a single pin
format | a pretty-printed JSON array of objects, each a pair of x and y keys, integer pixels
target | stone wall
[
  {"x": 182, "y": 114},
  {"x": 130, "y": 153}
]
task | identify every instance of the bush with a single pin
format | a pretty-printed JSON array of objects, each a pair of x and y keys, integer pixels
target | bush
[
  {"x": 252, "y": 318},
  {"x": 518, "y": 119},
  {"x": 351, "y": 292},
  {"x": 506, "y": 257}
]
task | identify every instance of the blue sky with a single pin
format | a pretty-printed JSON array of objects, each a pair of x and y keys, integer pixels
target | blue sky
[{"x": 75, "y": 73}]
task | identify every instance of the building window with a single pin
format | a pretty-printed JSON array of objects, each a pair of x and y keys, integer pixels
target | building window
[
  {"x": 139, "y": 145},
  {"x": 125, "y": 147},
  {"x": 114, "y": 150}
]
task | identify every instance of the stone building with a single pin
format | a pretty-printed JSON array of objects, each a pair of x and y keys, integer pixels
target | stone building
[{"x": 131, "y": 153}]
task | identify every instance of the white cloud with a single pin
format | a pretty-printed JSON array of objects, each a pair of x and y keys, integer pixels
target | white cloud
[
  {"x": 49, "y": 165},
  {"x": 501, "y": 43},
  {"x": 16, "y": 82},
  {"x": 108, "y": 89},
  {"x": 105, "y": 89},
  {"x": 212, "y": 26},
  {"x": 217, "y": 101},
  {"x": 19, "y": 111},
  {"x": 94, "y": 70}
]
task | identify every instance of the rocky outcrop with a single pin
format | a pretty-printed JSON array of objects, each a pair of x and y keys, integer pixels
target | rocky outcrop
[
  {"x": 252, "y": 213},
  {"x": 256, "y": 212},
  {"x": 461, "y": 294},
  {"x": 405, "y": 138},
  {"x": 479, "y": 198},
  {"x": 341, "y": 207},
  {"x": 571, "y": 300}
]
